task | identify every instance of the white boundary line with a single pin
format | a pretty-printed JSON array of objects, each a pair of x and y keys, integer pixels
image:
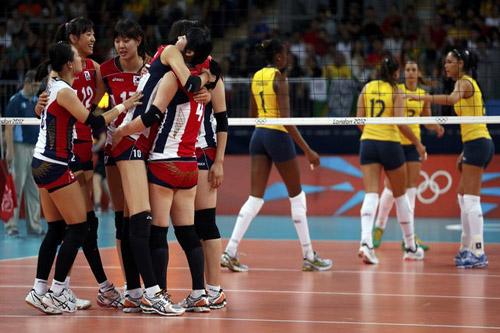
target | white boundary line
[
  {"x": 296, "y": 292},
  {"x": 262, "y": 320}
]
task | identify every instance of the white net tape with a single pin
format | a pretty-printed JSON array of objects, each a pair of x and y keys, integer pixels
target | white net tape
[{"x": 340, "y": 121}]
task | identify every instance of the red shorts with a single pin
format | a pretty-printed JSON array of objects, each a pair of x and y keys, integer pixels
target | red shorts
[
  {"x": 51, "y": 176},
  {"x": 178, "y": 174},
  {"x": 205, "y": 157},
  {"x": 82, "y": 156},
  {"x": 129, "y": 149}
]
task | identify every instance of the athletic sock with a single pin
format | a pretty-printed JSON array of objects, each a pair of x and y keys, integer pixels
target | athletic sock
[
  {"x": 465, "y": 238},
  {"x": 91, "y": 249},
  {"x": 139, "y": 233},
  {"x": 299, "y": 216},
  {"x": 48, "y": 248},
  {"x": 405, "y": 219},
  {"x": 384, "y": 208},
  {"x": 131, "y": 272},
  {"x": 474, "y": 212},
  {"x": 40, "y": 286},
  {"x": 190, "y": 243},
  {"x": 368, "y": 211},
  {"x": 159, "y": 254}
]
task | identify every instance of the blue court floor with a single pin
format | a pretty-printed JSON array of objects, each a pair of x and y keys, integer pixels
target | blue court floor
[{"x": 270, "y": 227}]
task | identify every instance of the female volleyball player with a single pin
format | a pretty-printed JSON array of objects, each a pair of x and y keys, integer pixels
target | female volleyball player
[
  {"x": 380, "y": 148},
  {"x": 413, "y": 162},
  {"x": 478, "y": 150},
  {"x": 274, "y": 145},
  {"x": 62, "y": 199}
]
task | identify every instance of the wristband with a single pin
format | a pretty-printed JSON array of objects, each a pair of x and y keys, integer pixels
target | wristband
[{"x": 121, "y": 108}]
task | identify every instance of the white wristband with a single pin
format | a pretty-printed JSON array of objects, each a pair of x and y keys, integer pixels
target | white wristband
[{"x": 121, "y": 108}]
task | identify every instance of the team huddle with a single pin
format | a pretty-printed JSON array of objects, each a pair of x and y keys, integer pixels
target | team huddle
[{"x": 166, "y": 136}]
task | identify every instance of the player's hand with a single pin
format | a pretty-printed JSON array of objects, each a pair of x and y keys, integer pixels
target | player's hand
[
  {"x": 202, "y": 96},
  {"x": 460, "y": 161},
  {"x": 43, "y": 100},
  {"x": 313, "y": 159},
  {"x": 216, "y": 175},
  {"x": 422, "y": 152},
  {"x": 133, "y": 100},
  {"x": 412, "y": 97},
  {"x": 439, "y": 131}
]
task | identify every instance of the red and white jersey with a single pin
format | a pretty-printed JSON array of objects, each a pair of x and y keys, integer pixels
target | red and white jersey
[
  {"x": 56, "y": 128},
  {"x": 85, "y": 85},
  {"x": 178, "y": 132},
  {"x": 206, "y": 136},
  {"x": 120, "y": 85}
]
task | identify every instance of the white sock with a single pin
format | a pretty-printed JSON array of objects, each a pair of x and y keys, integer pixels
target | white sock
[
  {"x": 247, "y": 213},
  {"x": 405, "y": 219},
  {"x": 151, "y": 291},
  {"x": 299, "y": 209},
  {"x": 465, "y": 238},
  {"x": 472, "y": 204},
  {"x": 66, "y": 282},
  {"x": 384, "y": 208},
  {"x": 105, "y": 285},
  {"x": 213, "y": 290},
  {"x": 135, "y": 293},
  {"x": 411, "y": 192},
  {"x": 368, "y": 211},
  {"x": 40, "y": 286},
  {"x": 57, "y": 287},
  {"x": 197, "y": 293}
]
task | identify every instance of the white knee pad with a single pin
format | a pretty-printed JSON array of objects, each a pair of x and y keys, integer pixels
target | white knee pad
[
  {"x": 299, "y": 206},
  {"x": 370, "y": 204},
  {"x": 251, "y": 207},
  {"x": 403, "y": 209}
]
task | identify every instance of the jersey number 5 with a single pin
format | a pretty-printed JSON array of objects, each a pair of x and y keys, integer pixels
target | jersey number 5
[{"x": 373, "y": 102}]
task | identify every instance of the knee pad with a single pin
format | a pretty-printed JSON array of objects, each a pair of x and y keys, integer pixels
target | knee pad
[
  {"x": 299, "y": 206},
  {"x": 76, "y": 233},
  {"x": 140, "y": 225},
  {"x": 370, "y": 204},
  {"x": 55, "y": 232},
  {"x": 204, "y": 223},
  {"x": 125, "y": 229},
  {"x": 158, "y": 237},
  {"x": 252, "y": 206},
  {"x": 187, "y": 237},
  {"x": 403, "y": 209},
  {"x": 118, "y": 225}
]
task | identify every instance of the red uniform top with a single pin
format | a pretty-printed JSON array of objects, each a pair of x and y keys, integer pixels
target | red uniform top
[{"x": 85, "y": 85}]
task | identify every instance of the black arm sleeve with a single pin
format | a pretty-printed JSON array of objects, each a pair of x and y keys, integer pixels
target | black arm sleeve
[
  {"x": 151, "y": 116},
  {"x": 193, "y": 84},
  {"x": 96, "y": 123},
  {"x": 221, "y": 119}
]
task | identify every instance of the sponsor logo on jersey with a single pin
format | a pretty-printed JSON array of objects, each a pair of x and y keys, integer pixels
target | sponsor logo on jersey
[
  {"x": 136, "y": 80},
  {"x": 87, "y": 75},
  {"x": 117, "y": 79}
]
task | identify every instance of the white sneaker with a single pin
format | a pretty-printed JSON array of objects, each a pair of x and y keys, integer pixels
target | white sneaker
[
  {"x": 35, "y": 300},
  {"x": 110, "y": 297},
  {"x": 160, "y": 304},
  {"x": 367, "y": 254},
  {"x": 64, "y": 302},
  {"x": 81, "y": 304},
  {"x": 417, "y": 254}
]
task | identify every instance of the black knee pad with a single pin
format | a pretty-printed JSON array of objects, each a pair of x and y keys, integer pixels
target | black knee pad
[
  {"x": 204, "y": 222},
  {"x": 55, "y": 232},
  {"x": 158, "y": 237},
  {"x": 118, "y": 225},
  {"x": 126, "y": 229},
  {"x": 187, "y": 237},
  {"x": 140, "y": 225},
  {"x": 76, "y": 233}
]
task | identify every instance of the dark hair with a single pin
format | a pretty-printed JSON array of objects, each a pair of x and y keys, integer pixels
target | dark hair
[
  {"x": 77, "y": 26},
  {"x": 387, "y": 69},
  {"x": 180, "y": 28},
  {"x": 269, "y": 48},
  {"x": 59, "y": 54},
  {"x": 200, "y": 42},
  {"x": 127, "y": 28},
  {"x": 470, "y": 60}
]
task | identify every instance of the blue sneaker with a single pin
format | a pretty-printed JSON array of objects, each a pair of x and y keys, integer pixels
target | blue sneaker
[
  {"x": 473, "y": 261},
  {"x": 460, "y": 256}
]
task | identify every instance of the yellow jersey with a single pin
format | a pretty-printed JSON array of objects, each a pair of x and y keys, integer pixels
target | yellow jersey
[
  {"x": 378, "y": 100},
  {"x": 412, "y": 109},
  {"x": 472, "y": 106},
  {"x": 265, "y": 96}
]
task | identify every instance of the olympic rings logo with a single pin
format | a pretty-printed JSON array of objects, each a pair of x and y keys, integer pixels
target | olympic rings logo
[
  {"x": 442, "y": 120},
  {"x": 260, "y": 121},
  {"x": 429, "y": 183}
]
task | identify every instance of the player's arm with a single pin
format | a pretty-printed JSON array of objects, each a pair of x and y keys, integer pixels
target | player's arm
[
  {"x": 398, "y": 104},
  {"x": 281, "y": 89},
  {"x": 69, "y": 100},
  {"x": 360, "y": 107},
  {"x": 463, "y": 89},
  {"x": 100, "y": 86},
  {"x": 426, "y": 112},
  {"x": 172, "y": 57},
  {"x": 216, "y": 172}
]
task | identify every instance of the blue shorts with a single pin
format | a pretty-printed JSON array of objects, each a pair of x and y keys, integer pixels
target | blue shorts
[
  {"x": 276, "y": 145},
  {"x": 478, "y": 152},
  {"x": 51, "y": 176},
  {"x": 411, "y": 153},
  {"x": 388, "y": 153}
]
